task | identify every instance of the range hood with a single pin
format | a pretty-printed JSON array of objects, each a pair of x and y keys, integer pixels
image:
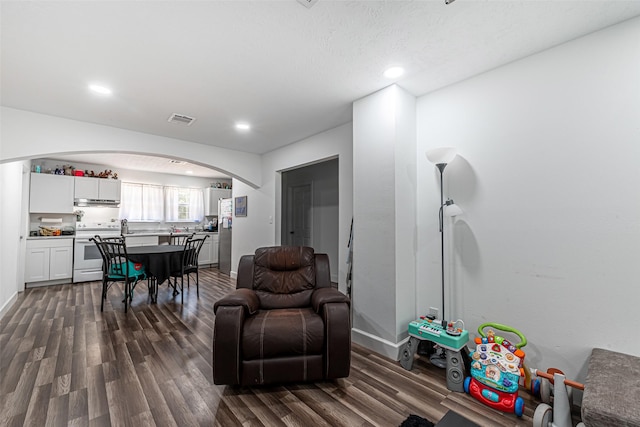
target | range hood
[{"x": 96, "y": 202}]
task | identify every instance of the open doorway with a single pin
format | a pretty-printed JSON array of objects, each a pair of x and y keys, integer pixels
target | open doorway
[
  {"x": 300, "y": 214},
  {"x": 310, "y": 213}
]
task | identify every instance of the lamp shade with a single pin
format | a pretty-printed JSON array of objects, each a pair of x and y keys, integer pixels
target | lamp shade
[
  {"x": 442, "y": 155},
  {"x": 452, "y": 210}
]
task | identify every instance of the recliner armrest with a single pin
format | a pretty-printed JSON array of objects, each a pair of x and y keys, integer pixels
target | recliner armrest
[
  {"x": 324, "y": 296},
  {"x": 240, "y": 297}
]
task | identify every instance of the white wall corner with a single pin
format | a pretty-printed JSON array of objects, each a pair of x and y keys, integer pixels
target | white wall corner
[
  {"x": 377, "y": 344},
  {"x": 8, "y": 304},
  {"x": 384, "y": 182}
]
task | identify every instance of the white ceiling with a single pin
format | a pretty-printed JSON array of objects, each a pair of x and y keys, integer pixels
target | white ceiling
[{"x": 290, "y": 71}]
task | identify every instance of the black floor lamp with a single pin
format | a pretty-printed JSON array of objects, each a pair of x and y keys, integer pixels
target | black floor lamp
[{"x": 441, "y": 157}]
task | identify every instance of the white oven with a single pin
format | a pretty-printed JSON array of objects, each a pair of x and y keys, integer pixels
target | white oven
[{"x": 87, "y": 261}]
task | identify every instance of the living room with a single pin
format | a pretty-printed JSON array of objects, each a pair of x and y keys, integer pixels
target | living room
[{"x": 546, "y": 155}]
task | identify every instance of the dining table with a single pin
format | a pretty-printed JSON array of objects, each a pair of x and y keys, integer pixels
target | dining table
[{"x": 159, "y": 262}]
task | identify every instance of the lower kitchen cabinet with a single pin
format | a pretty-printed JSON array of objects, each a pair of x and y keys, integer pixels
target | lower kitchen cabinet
[
  {"x": 209, "y": 252},
  {"x": 204, "y": 257},
  {"x": 214, "y": 248},
  {"x": 49, "y": 260},
  {"x": 141, "y": 241}
]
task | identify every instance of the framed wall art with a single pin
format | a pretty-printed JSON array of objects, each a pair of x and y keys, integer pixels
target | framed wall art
[{"x": 241, "y": 206}]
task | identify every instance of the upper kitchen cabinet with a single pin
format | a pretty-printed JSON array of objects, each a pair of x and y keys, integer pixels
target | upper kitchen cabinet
[
  {"x": 211, "y": 197},
  {"x": 51, "y": 193},
  {"x": 109, "y": 189},
  {"x": 97, "y": 189}
]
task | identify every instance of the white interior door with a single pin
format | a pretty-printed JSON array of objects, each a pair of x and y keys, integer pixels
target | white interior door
[{"x": 301, "y": 215}]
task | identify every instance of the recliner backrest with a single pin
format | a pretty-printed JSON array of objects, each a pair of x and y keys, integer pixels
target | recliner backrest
[{"x": 284, "y": 276}]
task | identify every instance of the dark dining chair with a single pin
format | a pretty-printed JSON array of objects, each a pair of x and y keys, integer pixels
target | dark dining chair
[
  {"x": 189, "y": 265},
  {"x": 116, "y": 267},
  {"x": 180, "y": 239}
]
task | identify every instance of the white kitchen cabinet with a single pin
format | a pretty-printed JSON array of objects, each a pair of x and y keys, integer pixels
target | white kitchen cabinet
[
  {"x": 51, "y": 193},
  {"x": 86, "y": 188},
  {"x": 214, "y": 248},
  {"x": 49, "y": 260},
  {"x": 209, "y": 252},
  {"x": 211, "y": 197},
  {"x": 141, "y": 241},
  {"x": 204, "y": 257},
  {"x": 37, "y": 264},
  {"x": 97, "y": 188},
  {"x": 109, "y": 189},
  {"x": 61, "y": 262}
]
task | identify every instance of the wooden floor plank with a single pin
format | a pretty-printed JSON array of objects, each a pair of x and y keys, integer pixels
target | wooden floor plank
[
  {"x": 78, "y": 405},
  {"x": 58, "y": 412},
  {"x": 64, "y": 362}
]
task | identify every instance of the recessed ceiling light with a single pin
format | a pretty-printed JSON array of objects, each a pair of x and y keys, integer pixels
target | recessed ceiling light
[
  {"x": 102, "y": 90},
  {"x": 243, "y": 126},
  {"x": 189, "y": 172},
  {"x": 394, "y": 72}
]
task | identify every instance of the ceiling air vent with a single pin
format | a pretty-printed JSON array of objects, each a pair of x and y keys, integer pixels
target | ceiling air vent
[
  {"x": 308, "y": 3},
  {"x": 181, "y": 119}
]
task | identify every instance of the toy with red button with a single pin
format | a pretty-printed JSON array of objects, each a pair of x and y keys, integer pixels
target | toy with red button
[{"x": 497, "y": 369}]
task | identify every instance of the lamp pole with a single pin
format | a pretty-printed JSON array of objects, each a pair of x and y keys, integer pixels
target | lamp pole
[{"x": 441, "y": 167}]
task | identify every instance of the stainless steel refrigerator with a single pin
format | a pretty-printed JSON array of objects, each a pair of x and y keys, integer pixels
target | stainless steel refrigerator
[{"x": 225, "y": 214}]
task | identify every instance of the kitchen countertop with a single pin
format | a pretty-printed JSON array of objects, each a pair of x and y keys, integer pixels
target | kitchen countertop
[
  {"x": 134, "y": 234},
  {"x": 49, "y": 237},
  {"x": 166, "y": 233}
]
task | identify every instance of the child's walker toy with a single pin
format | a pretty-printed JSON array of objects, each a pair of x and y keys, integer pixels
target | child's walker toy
[{"x": 497, "y": 368}]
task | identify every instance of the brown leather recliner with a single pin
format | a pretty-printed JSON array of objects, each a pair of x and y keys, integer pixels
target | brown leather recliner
[{"x": 283, "y": 323}]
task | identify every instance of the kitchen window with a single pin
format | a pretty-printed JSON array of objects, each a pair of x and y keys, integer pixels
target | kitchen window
[
  {"x": 184, "y": 204},
  {"x": 141, "y": 202},
  {"x": 146, "y": 202}
]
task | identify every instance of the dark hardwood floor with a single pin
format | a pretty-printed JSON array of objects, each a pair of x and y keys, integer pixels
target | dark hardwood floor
[{"x": 63, "y": 362}]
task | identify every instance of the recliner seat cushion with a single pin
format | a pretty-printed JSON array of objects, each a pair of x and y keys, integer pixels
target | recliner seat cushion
[
  {"x": 283, "y": 332},
  {"x": 284, "y": 277}
]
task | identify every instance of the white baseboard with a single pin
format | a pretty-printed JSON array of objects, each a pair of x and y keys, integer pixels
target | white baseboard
[
  {"x": 7, "y": 305},
  {"x": 377, "y": 344},
  {"x": 233, "y": 274}
]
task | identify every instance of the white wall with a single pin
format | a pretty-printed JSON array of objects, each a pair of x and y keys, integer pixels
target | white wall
[
  {"x": 384, "y": 209},
  {"x": 548, "y": 178},
  {"x": 11, "y": 273},
  {"x": 28, "y": 135},
  {"x": 261, "y": 227}
]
